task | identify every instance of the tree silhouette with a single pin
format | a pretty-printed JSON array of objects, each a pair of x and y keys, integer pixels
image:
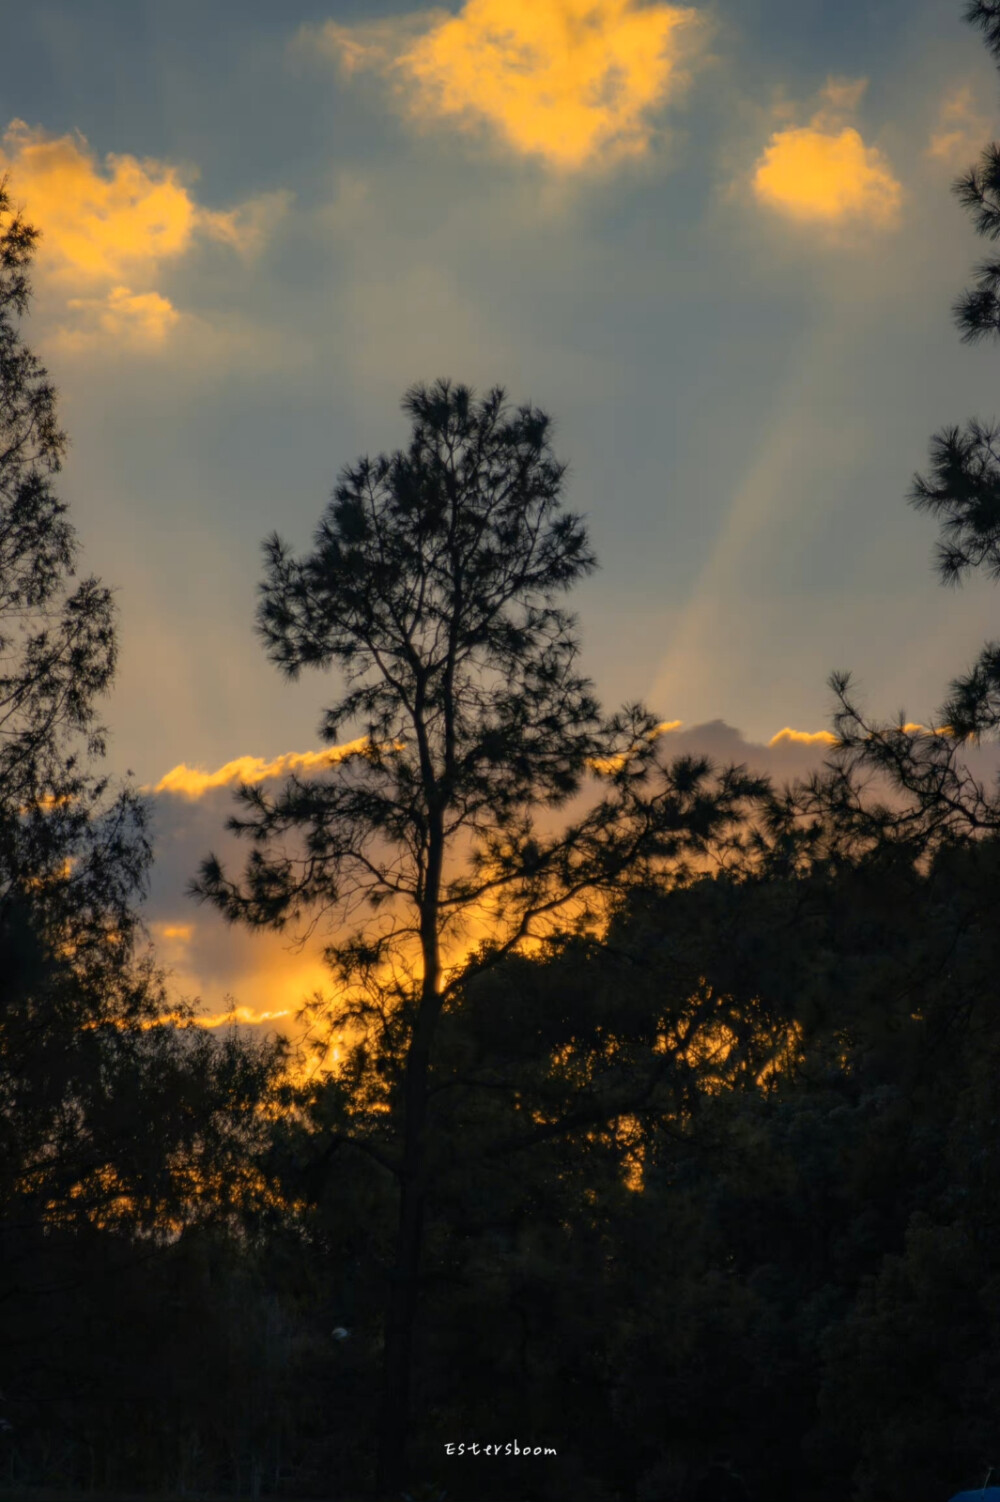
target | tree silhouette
[
  {"x": 118, "y": 1129},
  {"x": 432, "y": 586},
  {"x": 963, "y": 487},
  {"x": 57, "y": 644},
  {"x": 961, "y": 490},
  {"x": 73, "y": 857}
]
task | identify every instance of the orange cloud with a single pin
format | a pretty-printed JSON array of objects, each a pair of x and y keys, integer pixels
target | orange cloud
[
  {"x": 134, "y": 318},
  {"x": 107, "y": 229},
  {"x": 823, "y": 173},
  {"x": 245, "y": 1015},
  {"x": 178, "y": 932},
  {"x": 189, "y": 782},
  {"x": 789, "y": 737},
  {"x": 572, "y": 82},
  {"x": 98, "y": 225},
  {"x": 254, "y": 979},
  {"x": 913, "y": 727},
  {"x": 826, "y": 177},
  {"x": 604, "y": 766}
]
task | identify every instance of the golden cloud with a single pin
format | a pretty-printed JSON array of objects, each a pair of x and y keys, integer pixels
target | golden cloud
[
  {"x": 135, "y": 318},
  {"x": 826, "y": 177},
  {"x": 572, "y": 82},
  {"x": 179, "y": 933},
  {"x": 98, "y": 226},
  {"x": 823, "y": 173},
  {"x": 245, "y": 1015},
  {"x": 253, "y": 979},
  {"x": 789, "y": 737},
  {"x": 606, "y": 766},
  {"x": 190, "y": 782},
  {"x": 913, "y": 727},
  {"x": 107, "y": 229}
]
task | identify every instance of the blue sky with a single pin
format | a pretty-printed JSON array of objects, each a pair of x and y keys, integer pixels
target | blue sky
[{"x": 724, "y": 266}]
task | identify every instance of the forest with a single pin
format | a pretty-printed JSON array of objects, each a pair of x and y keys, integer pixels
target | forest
[{"x": 645, "y": 1146}]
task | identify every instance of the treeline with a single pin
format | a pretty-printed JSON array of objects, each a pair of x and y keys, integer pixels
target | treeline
[
  {"x": 653, "y": 1119},
  {"x": 720, "y": 1188}
]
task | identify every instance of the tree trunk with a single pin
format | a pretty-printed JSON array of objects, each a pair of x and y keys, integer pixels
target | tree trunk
[
  {"x": 405, "y": 1289},
  {"x": 401, "y": 1317}
]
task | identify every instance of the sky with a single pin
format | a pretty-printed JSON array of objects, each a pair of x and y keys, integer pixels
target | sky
[{"x": 714, "y": 241}]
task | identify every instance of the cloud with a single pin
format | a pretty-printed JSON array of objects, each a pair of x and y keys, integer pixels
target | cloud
[
  {"x": 189, "y": 782},
  {"x": 820, "y": 177},
  {"x": 789, "y": 737},
  {"x": 267, "y": 977},
  {"x": 235, "y": 975},
  {"x": 140, "y": 319},
  {"x": 840, "y": 96},
  {"x": 246, "y": 1016},
  {"x": 99, "y": 225},
  {"x": 574, "y": 83},
  {"x": 823, "y": 173},
  {"x": 262, "y": 979},
  {"x": 230, "y": 973},
  {"x": 371, "y": 45},
  {"x": 962, "y": 129},
  {"x": 604, "y": 766},
  {"x": 789, "y": 753},
  {"x": 178, "y": 932},
  {"x": 247, "y": 228},
  {"x": 108, "y": 230},
  {"x": 192, "y": 783}
]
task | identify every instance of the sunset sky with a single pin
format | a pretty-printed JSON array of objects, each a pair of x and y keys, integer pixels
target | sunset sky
[{"x": 714, "y": 241}]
